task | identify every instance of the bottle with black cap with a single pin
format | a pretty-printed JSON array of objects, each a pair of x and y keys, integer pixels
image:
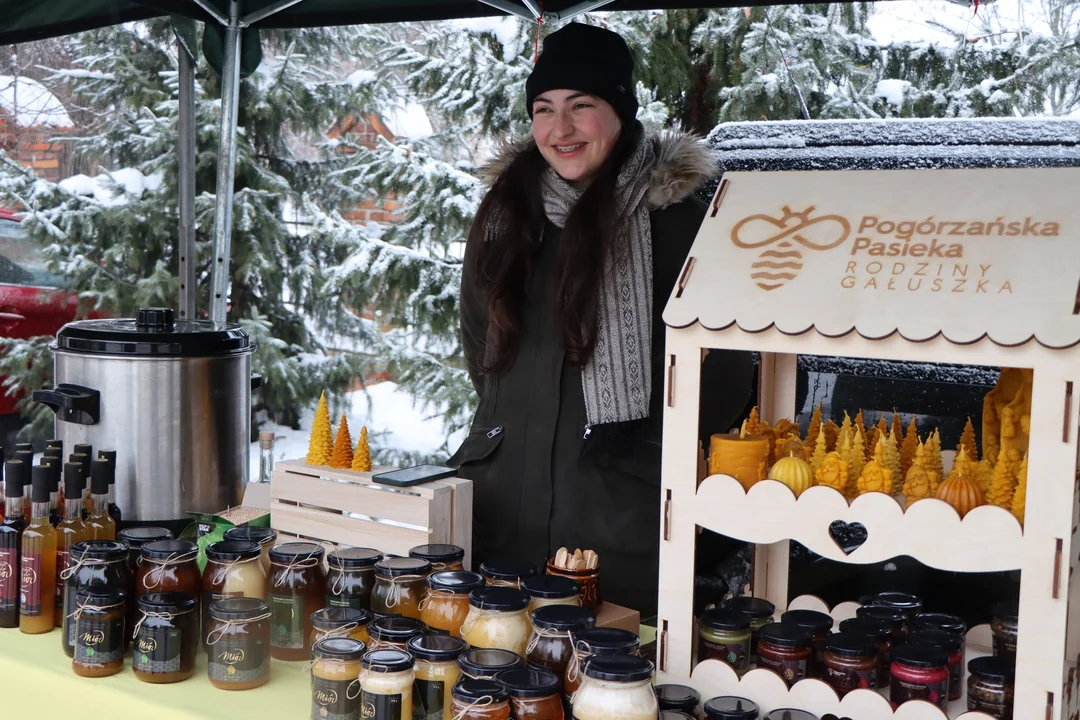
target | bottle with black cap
[
  {"x": 114, "y": 509},
  {"x": 99, "y": 521},
  {"x": 28, "y": 447},
  {"x": 55, "y": 464},
  {"x": 55, "y": 443},
  {"x": 27, "y": 456},
  {"x": 83, "y": 461},
  {"x": 11, "y": 531},
  {"x": 88, "y": 450},
  {"x": 37, "y": 590},
  {"x": 71, "y": 529}
]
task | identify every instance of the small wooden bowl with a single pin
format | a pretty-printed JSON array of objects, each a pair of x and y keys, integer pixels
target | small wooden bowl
[{"x": 588, "y": 579}]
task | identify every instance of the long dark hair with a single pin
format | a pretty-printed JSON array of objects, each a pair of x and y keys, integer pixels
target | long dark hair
[{"x": 504, "y": 257}]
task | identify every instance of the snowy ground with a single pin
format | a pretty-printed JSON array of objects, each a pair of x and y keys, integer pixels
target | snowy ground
[{"x": 391, "y": 419}]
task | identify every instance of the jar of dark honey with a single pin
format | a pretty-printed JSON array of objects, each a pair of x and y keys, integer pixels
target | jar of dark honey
[
  {"x": 351, "y": 577},
  {"x": 238, "y": 643},
  {"x": 551, "y": 645},
  {"x": 535, "y": 694},
  {"x": 166, "y": 637},
  {"x": 399, "y": 586},
  {"x": 296, "y": 588},
  {"x": 94, "y": 563},
  {"x": 100, "y": 614},
  {"x": 170, "y": 566},
  {"x": 393, "y": 633}
]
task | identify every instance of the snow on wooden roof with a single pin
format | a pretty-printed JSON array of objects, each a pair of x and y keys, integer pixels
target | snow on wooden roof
[{"x": 31, "y": 104}]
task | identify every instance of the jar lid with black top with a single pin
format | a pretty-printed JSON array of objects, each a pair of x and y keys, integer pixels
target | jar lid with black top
[
  {"x": 994, "y": 670},
  {"x": 395, "y": 567},
  {"x": 334, "y": 618},
  {"x": 499, "y": 599},
  {"x": 455, "y": 582},
  {"x": 339, "y": 648},
  {"x": 938, "y": 638},
  {"x": 470, "y": 691},
  {"x": 618, "y": 668},
  {"x": 894, "y": 617},
  {"x": 437, "y": 648},
  {"x": 507, "y": 569},
  {"x": 565, "y": 618},
  {"x": 731, "y": 707},
  {"x": 296, "y": 552},
  {"x": 817, "y": 622},
  {"x": 395, "y": 629},
  {"x": 169, "y": 549},
  {"x": 387, "y": 661},
  {"x": 910, "y": 604},
  {"x": 105, "y": 550},
  {"x": 725, "y": 619},
  {"x": 920, "y": 655},
  {"x": 677, "y": 697},
  {"x": 258, "y": 535},
  {"x": 528, "y": 683},
  {"x": 551, "y": 587},
  {"x": 756, "y": 608},
  {"x": 789, "y": 714},
  {"x": 354, "y": 558},
  {"x": 786, "y": 635},
  {"x": 606, "y": 641},
  {"x": 229, "y": 550},
  {"x": 136, "y": 537},
  {"x": 443, "y": 553},
  {"x": 940, "y": 621},
  {"x": 851, "y": 645},
  {"x": 240, "y": 608},
  {"x": 487, "y": 662},
  {"x": 869, "y": 627},
  {"x": 166, "y": 602}
]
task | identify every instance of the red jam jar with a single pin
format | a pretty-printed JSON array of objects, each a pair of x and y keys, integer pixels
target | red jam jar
[
  {"x": 896, "y": 620},
  {"x": 818, "y": 624},
  {"x": 919, "y": 672},
  {"x": 951, "y": 644},
  {"x": 787, "y": 650},
  {"x": 910, "y": 605},
  {"x": 851, "y": 662},
  {"x": 881, "y": 632}
]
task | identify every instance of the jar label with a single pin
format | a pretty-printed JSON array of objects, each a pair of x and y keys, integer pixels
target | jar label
[
  {"x": 844, "y": 680},
  {"x": 30, "y": 586},
  {"x": 63, "y": 562},
  {"x": 210, "y": 597},
  {"x": 341, "y": 601},
  {"x": 1005, "y": 645},
  {"x": 157, "y": 650},
  {"x": 427, "y": 699},
  {"x": 334, "y": 699},
  {"x": 9, "y": 579},
  {"x": 734, "y": 654},
  {"x": 995, "y": 703},
  {"x": 935, "y": 692},
  {"x": 380, "y": 707},
  {"x": 790, "y": 671},
  {"x": 98, "y": 642},
  {"x": 236, "y": 660},
  {"x": 287, "y": 621}
]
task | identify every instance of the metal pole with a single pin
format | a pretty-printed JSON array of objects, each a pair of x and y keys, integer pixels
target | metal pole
[
  {"x": 230, "y": 91},
  {"x": 575, "y": 10},
  {"x": 509, "y": 7},
  {"x": 186, "y": 182}
]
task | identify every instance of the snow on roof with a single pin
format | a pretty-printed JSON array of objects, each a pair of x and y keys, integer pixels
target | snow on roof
[
  {"x": 102, "y": 188},
  {"x": 410, "y": 121},
  {"x": 31, "y": 103}
]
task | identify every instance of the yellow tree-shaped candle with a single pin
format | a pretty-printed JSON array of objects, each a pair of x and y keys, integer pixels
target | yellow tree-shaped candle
[
  {"x": 984, "y": 476},
  {"x": 362, "y": 457},
  {"x": 342, "y": 456},
  {"x": 934, "y": 461},
  {"x": 1019, "y": 501},
  {"x": 847, "y": 433},
  {"x": 892, "y": 454},
  {"x": 1002, "y": 486},
  {"x": 832, "y": 435},
  {"x": 814, "y": 429},
  {"x": 897, "y": 428},
  {"x": 963, "y": 466},
  {"x": 321, "y": 444},
  {"x": 859, "y": 425},
  {"x": 909, "y": 447},
  {"x": 877, "y": 431},
  {"x": 967, "y": 441},
  {"x": 833, "y": 473},
  {"x": 818, "y": 457},
  {"x": 919, "y": 482},
  {"x": 876, "y": 476},
  {"x": 753, "y": 421}
]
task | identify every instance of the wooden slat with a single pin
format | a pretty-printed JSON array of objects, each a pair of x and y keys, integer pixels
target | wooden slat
[
  {"x": 461, "y": 514},
  {"x": 363, "y": 499},
  {"x": 346, "y": 530},
  {"x": 300, "y": 467}
]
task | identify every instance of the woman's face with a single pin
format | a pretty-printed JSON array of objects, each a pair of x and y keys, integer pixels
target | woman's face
[{"x": 575, "y": 133}]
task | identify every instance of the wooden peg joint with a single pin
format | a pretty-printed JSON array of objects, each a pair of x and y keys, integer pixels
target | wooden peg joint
[
  {"x": 1049, "y": 705},
  {"x": 684, "y": 277},
  {"x": 671, "y": 381},
  {"x": 1066, "y": 426},
  {"x": 667, "y": 516},
  {"x": 719, "y": 197},
  {"x": 1057, "y": 567},
  {"x": 662, "y": 646}
]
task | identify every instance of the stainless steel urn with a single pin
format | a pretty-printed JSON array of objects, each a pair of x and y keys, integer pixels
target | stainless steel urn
[{"x": 172, "y": 398}]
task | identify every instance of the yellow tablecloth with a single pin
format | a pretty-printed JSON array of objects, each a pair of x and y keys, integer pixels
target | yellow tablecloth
[{"x": 36, "y": 679}]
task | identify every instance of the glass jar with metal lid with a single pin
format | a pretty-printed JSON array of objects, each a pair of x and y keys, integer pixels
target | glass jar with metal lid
[
  {"x": 911, "y": 605},
  {"x": 990, "y": 687},
  {"x": 1005, "y": 627},
  {"x": 950, "y": 643},
  {"x": 551, "y": 645},
  {"x": 233, "y": 569},
  {"x": 896, "y": 619},
  {"x": 393, "y": 633},
  {"x": 678, "y": 697},
  {"x": 94, "y": 563},
  {"x": 787, "y": 650},
  {"x": 616, "y": 687},
  {"x": 446, "y": 602},
  {"x": 497, "y": 619},
  {"x": 731, "y": 707},
  {"x": 761, "y": 614},
  {"x": 350, "y": 578},
  {"x": 506, "y": 571},
  {"x": 166, "y": 637},
  {"x": 486, "y": 663},
  {"x": 136, "y": 537},
  {"x": 340, "y": 622},
  {"x": 399, "y": 586},
  {"x": 851, "y": 662},
  {"x": 819, "y": 624},
  {"x": 100, "y": 614},
  {"x": 945, "y": 622},
  {"x": 535, "y": 693},
  {"x": 387, "y": 678},
  {"x": 442, "y": 556},
  {"x": 170, "y": 566},
  {"x": 335, "y": 678},
  {"x": 724, "y": 635},
  {"x": 437, "y": 671},
  {"x": 296, "y": 588},
  {"x": 480, "y": 700},
  {"x": 238, "y": 643},
  {"x": 919, "y": 672},
  {"x": 882, "y": 633},
  {"x": 595, "y": 642},
  {"x": 551, "y": 590},
  {"x": 265, "y": 538}
]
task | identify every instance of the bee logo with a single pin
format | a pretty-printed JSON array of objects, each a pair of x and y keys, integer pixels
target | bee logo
[{"x": 779, "y": 264}]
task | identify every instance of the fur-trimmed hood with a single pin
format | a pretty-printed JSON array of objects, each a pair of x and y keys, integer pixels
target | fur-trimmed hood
[{"x": 683, "y": 163}]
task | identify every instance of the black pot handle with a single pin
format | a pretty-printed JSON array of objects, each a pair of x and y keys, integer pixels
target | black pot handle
[
  {"x": 72, "y": 403},
  {"x": 256, "y": 381}
]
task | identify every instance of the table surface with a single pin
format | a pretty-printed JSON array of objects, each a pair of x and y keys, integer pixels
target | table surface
[{"x": 48, "y": 688}]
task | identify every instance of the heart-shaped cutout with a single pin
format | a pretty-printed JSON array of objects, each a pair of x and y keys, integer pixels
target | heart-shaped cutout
[{"x": 849, "y": 537}]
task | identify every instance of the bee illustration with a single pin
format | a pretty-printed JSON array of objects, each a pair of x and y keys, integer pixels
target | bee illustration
[{"x": 782, "y": 259}]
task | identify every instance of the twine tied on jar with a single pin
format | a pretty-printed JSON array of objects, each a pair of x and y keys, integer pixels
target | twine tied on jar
[
  {"x": 308, "y": 562},
  {"x": 157, "y": 573},
  {"x": 438, "y": 594},
  {"x": 575, "y": 662},
  {"x": 545, "y": 633},
  {"x": 225, "y": 569},
  {"x": 77, "y": 613},
  {"x": 167, "y": 617},
  {"x": 479, "y": 702},
  {"x": 88, "y": 562},
  {"x": 516, "y": 584},
  {"x": 230, "y": 624},
  {"x": 395, "y": 588},
  {"x": 340, "y": 631}
]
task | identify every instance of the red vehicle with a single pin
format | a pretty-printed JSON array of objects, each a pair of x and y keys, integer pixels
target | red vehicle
[{"x": 30, "y": 304}]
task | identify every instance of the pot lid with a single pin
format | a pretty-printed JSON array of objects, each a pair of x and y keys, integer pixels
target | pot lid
[{"x": 153, "y": 333}]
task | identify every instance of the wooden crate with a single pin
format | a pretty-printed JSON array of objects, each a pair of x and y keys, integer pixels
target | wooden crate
[{"x": 346, "y": 508}]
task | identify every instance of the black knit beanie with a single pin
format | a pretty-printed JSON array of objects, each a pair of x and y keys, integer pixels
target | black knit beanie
[{"x": 589, "y": 59}]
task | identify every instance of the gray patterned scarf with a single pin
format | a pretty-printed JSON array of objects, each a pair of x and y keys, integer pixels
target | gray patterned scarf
[{"x": 617, "y": 379}]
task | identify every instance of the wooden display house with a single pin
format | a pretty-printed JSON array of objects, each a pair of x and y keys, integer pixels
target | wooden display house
[{"x": 972, "y": 267}]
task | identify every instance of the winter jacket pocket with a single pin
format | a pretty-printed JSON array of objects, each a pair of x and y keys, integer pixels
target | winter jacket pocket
[{"x": 478, "y": 446}]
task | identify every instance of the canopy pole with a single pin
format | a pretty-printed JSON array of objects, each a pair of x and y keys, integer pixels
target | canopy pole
[
  {"x": 582, "y": 7},
  {"x": 186, "y": 181},
  {"x": 509, "y": 7},
  {"x": 230, "y": 98}
]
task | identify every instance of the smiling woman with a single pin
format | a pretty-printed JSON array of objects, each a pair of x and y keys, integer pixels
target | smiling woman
[{"x": 571, "y": 257}]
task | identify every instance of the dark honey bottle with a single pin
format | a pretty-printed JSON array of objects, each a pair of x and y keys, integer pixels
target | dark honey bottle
[
  {"x": 114, "y": 509},
  {"x": 11, "y": 531}
]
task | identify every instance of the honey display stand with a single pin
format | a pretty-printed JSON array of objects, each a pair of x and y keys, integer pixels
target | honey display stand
[
  {"x": 345, "y": 507},
  {"x": 783, "y": 266}
]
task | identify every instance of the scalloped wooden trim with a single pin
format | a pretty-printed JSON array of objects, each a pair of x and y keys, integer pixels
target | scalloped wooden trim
[{"x": 988, "y": 539}]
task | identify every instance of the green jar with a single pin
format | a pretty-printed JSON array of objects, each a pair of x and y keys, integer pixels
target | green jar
[
  {"x": 761, "y": 614},
  {"x": 724, "y": 634}
]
